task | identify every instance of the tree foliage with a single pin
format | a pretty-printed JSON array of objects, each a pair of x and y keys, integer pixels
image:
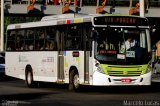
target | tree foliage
[{"x": 14, "y": 20}]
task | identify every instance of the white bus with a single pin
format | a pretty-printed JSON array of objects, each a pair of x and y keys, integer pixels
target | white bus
[
  {"x": 116, "y": 62},
  {"x": 80, "y": 50}
]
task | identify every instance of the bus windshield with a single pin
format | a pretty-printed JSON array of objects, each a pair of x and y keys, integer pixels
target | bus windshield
[{"x": 122, "y": 46}]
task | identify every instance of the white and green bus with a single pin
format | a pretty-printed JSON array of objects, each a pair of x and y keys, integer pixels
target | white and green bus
[
  {"x": 116, "y": 63},
  {"x": 80, "y": 50}
]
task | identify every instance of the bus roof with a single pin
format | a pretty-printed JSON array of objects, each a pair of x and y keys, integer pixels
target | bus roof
[
  {"x": 61, "y": 20},
  {"x": 54, "y": 20}
]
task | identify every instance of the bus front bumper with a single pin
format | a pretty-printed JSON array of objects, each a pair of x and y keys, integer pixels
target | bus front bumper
[{"x": 100, "y": 79}]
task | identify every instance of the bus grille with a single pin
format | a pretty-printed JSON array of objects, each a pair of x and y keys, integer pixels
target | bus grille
[{"x": 124, "y": 73}]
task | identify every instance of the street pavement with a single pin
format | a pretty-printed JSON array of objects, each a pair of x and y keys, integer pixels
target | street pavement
[{"x": 14, "y": 92}]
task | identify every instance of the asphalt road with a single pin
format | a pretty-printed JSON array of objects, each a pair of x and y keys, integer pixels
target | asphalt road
[{"x": 13, "y": 92}]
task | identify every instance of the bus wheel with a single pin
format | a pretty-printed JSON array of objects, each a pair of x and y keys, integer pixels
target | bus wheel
[
  {"x": 29, "y": 79},
  {"x": 74, "y": 81}
]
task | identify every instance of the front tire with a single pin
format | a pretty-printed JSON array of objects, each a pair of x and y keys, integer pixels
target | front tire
[
  {"x": 74, "y": 83},
  {"x": 29, "y": 79}
]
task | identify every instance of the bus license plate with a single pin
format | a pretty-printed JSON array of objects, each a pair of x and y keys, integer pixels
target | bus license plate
[{"x": 126, "y": 80}]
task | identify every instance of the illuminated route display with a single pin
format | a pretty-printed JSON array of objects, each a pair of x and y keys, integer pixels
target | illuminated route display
[{"x": 120, "y": 20}]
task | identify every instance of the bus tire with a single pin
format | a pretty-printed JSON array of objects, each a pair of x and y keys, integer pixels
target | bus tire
[
  {"x": 29, "y": 79},
  {"x": 74, "y": 81}
]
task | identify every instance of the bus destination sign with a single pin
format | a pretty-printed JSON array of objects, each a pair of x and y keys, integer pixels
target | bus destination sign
[{"x": 120, "y": 21}]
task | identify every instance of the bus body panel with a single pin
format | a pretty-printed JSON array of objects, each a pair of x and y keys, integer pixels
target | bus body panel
[
  {"x": 43, "y": 64},
  {"x": 75, "y": 59},
  {"x": 121, "y": 75},
  {"x": 100, "y": 79}
]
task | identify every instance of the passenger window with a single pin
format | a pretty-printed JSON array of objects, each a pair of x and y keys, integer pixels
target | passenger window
[
  {"x": 51, "y": 38},
  {"x": 11, "y": 40},
  {"x": 29, "y": 40},
  {"x": 20, "y": 40},
  {"x": 73, "y": 38}
]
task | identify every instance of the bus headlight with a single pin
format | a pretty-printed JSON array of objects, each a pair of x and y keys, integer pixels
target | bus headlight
[
  {"x": 99, "y": 69},
  {"x": 149, "y": 68}
]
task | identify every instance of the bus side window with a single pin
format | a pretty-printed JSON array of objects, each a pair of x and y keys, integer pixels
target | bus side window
[
  {"x": 41, "y": 35},
  {"x": 29, "y": 39},
  {"x": 68, "y": 42},
  {"x": 50, "y": 45},
  {"x": 39, "y": 44},
  {"x": 31, "y": 47},
  {"x": 29, "y": 34},
  {"x": 47, "y": 45},
  {"x": 73, "y": 38},
  {"x": 19, "y": 39},
  {"x": 20, "y": 42},
  {"x": 10, "y": 46},
  {"x": 51, "y": 40},
  {"x": 11, "y": 41},
  {"x": 11, "y": 35},
  {"x": 53, "y": 45}
]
